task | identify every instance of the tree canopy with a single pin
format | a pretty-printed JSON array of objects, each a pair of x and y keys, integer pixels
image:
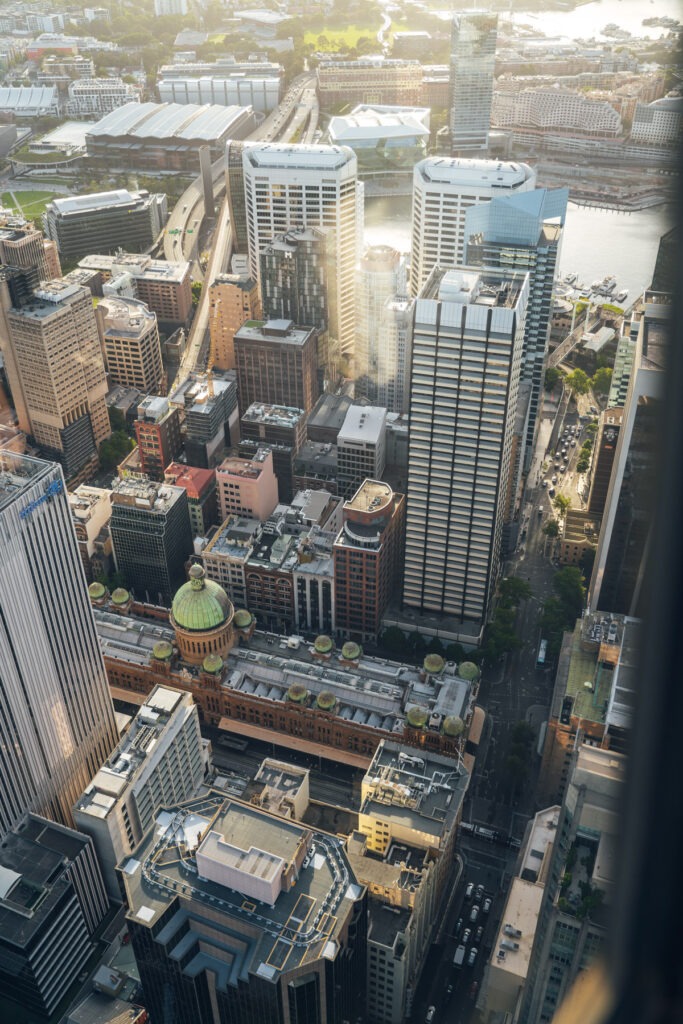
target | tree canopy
[
  {"x": 602, "y": 380},
  {"x": 578, "y": 382}
]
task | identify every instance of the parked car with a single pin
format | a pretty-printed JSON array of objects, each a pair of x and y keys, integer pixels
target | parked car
[
  {"x": 469, "y": 890},
  {"x": 472, "y": 957},
  {"x": 480, "y": 893},
  {"x": 474, "y": 913},
  {"x": 458, "y": 927},
  {"x": 466, "y": 936},
  {"x": 487, "y": 904},
  {"x": 430, "y": 1015},
  {"x": 479, "y": 934}
]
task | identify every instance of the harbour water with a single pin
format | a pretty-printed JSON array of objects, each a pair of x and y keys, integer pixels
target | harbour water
[
  {"x": 596, "y": 243},
  {"x": 588, "y": 20}
]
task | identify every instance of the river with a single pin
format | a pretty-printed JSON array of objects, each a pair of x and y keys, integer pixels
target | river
[{"x": 595, "y": 243}]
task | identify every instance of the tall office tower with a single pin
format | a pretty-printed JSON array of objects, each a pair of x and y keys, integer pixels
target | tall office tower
[
  {"x": 391, "y": 387},
  {"x": 219, "y": 956},
  {"x": 23, "y": 245},
  {"x": 118, "y": 219},
  {"x": 211, "y": 417},
  {"x": 53, "y": 903},
  {"x": 150, "y": 531},
  {"x": 234, "y": 192},
  {"x": 443, "y": 191},
  {"x": 625, "y": 532},
  {"x": 157, "y": 429},
  {"x": 467, "y": 359},
  {"x": 380, "y": 277},
  {"x": 361, "y": 447},
  {"x": 298, "y": 283},
  {"x": 294, "y": 186},
  {"x": 368, "y": 559},
  {"x": 473, "y": 58},
  {"x": 276, "y": 364},
  {"x": 523, "y": 232},
  {"x": 157, "y": 762},
  {"x": 560, "y": 904},
  {"x": 130, "y": 338},
  {"x": 56, "y": 718},
  {"x": 60, "y": 374},
  {"x": 604, "y": 451},
  {"x": 233, "y": 299}
]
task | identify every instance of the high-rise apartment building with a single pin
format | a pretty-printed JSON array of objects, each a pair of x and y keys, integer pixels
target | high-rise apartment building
[
  {"x": 157, "y": 429},
  {"x": 233, "y": 299},
  {"x": 56, "y": 718},
  {"x": 276, "y": 364},
  {"x": 297, "y": 186},
  {"x": 157, "y": 762},
  {"x": 118, "y": 220},
  {"x": 523, "y": 232},
  {"x": 130, "y": 338},
  {"x": 298, "y": 283},
  {"x": 443, "y": 191},
  {"x": 231, "y": 939},
  {"x": 368, "y": 555},
  {"x": 473, "y": 58},
  {"x": 150, "y": 530},
  {"x": 627, "y": 520},
  {"x": 57, "y": 369},
  {"x": 380, "y": 278},
  {"x": 467, "y": 358}
]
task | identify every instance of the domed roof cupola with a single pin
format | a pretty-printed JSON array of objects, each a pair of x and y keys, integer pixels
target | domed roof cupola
[{"x": 201, "y": 604}]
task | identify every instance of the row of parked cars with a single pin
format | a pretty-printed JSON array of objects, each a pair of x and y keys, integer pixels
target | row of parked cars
[{"x": 481, "y": 904}]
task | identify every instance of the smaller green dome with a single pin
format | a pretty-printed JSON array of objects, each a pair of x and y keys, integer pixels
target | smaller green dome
[
  {"x": 120, "y": 596},
  {"x": 351, "y": 651},
  {"x": 433, "y": 664},
  {"x": 297, "y": 693},
  {"x": 162, "y": 650},
  {"x": 97, "y": 591},
  {"x": 453, "y": 726},
  {"x": 200, "y": 605},
  {"x": 468, "y": 670},
  {"x": 417, "y": 717},
  {"x": 323, "y": 644},
  {"x": 243, "y": 619},
  {"x": 326, "y": 700},
  {"x": 212, "y": 663}
]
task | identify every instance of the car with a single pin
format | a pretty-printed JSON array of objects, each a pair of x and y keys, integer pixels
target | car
[
  {"x": 554, "y": 478},
  {"x": 466, "y": 936},
  {"x": 458, "y": 927},
  {"x": 551, "y": 492},
  {"x": 474, "y": 988},
  {"x": 472, "y": 957},
  {"x": 593, "y": 410},
  {"x": 430, "y": 1015},
  {"x": 563, "y": 468},
  {"x": 480, "y": 893},
  {"x": 449, "y": 990},
  {"x": 487, "y": 905},
  {"x": 474, "y": 913},
  {"x": 557, "y": 465},
  {"x": 573, "y": 442},
  {"x": 469, "y": 890},
  {"x": 479, "y": 934},
  {"x": 544, "y": 483}
]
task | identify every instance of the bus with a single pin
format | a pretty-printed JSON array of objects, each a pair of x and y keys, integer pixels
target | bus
[{"x": 542, "y": 652}]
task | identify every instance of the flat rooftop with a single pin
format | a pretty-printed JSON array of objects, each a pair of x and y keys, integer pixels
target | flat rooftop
[
  {"x": 235, "y": 538},
  {"x": 274, "y": 415},
  {"x": 124, "y": 763},
  {"x": 280, "y": 332},
  {"x": 18, "y": 473},
  {"x": 534, "y": 859},
  {"x": 462, "y": 172},
  {"x": 364, "y": 424},
  {"x": 51, "y": 297},
  {"x": 517, "y": 929},
  {"x": 282, "y": 155},
  {"x": 72, "y": 205},
  {"x": 474, "y": 287},
  {"x": 329, "y": 412},
  {"x": 371, "y": 496},
  {"x": 144, "y": 494},
  {"x": 257, "y": 939},
  {"x": 248, "y": 469}
]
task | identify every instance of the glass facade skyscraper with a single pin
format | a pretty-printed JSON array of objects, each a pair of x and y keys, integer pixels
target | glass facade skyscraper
[
  {"x": 56, "y": 718},
  {"x": 523, "y": 232},
  {"x": 467, "y": 356},
  {"x": 473, "y": 58}
]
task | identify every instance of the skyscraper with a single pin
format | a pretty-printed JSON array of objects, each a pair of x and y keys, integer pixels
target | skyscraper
[
  {"x": 443, "y": 190},
  {"x": 627, "y": 518},
  {"x": 523, "y": 232},
  {"x": 276, "y": 364},
  {"x": 56, "y": 719},
  {"x": 234, "y": 299},
  {"x": 380, "y": 278},
  {"x": 59, "y": 372},
  {"x": 130, "y": 336},
  {"x": 473, "y": 58},
  {"x": 467, "y": 357},
  {"x": 295, "y": 186}
]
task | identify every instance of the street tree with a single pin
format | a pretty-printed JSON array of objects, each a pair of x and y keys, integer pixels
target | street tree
[
  {"x": 562, "y": 504},
  {"x": 551, "y": 528},
  {"x": 582, "y": 465},
  {"x": 578, "y": 382},
  {"x": 512, "y": 590},
  {"x": 568, "y": 584},
  {"x": 601, "y": 380},
  {"x": 552, "y": 378}
]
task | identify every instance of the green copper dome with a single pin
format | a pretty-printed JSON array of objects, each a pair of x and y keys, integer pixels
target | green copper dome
[
  {"x": 468, "y": 670},
  {"x": 120, "y": 596},
  {"x": 162, "y": 650},
  {"x": 96, "y": 591},
  {"x": 417, "y": 717},
  {"x": 351, "y": 651},
  {"x": 323, "y": 644},
  {"x": 433, "y": 664},
  {"x": 212, "y": 663},
  {"x": 200, "y": 604},
  {"x": 243, "y": 618},
  {"x": 453, "y": 726}
]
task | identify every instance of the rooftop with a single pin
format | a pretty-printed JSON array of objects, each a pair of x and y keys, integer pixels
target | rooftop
[
  {"x": 474, "y": 287},
  {"x": 268, "y": 155},
  {"x": 534, "y": 861},
  {"x": 180, "y": 121},
  {"x": 275, "y": 415},
  {"x": 245, "y": 468},
  {"x": 73, "y": 205},
  {"x": 515, "y": 938},
  {"x": 143, "y": 738},
  {"x": 18, "y": 473},
  {"x": 363, "y": 423},
  {"x": 371, "y": 496},
  {"x": 329, "y": 411},
  {"x": 125, "y": 317},
  {"x": 308, "y": 913},
  {"x": 192, "y": 479},
  {"x": 144, "y": 494},
  {"x": 581, "y": 527},
  {"x": 138, "y": 265},
  {"x": 235, "y": 538},
  {"x": 276, "y": 331},
  {"x": 461, "y": 172}
]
